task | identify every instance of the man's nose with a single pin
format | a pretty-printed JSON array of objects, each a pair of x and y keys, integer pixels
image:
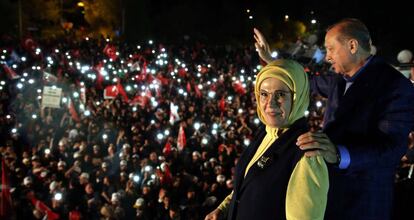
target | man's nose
[{"x": 328, "y": 59}]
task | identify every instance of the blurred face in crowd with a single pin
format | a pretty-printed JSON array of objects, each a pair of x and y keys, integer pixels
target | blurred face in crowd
[
  {"x": 166, "y": 201},
  {"x": 275, "y": 102},
  {"x": 62, "y": 148},
  {"x": 161, "y": 194},
  {"x": 340, "y": 54},
  {"x": 123, "y": 177},
  {"x": 145, "y": 190},
  {"x": 106, "y": 181},
  {"x": 195, "y": 157},
  {"x": 61, "y": 167},
  {"x": 111, "y": 150},
  {"x": 213, "y": 187},
  {"x": 190, "y": 194},
  {"x": 153, "y": 157},
  {"x": 36, "y": 163},
  {"x": 204, "y": 155},
  {"x": 89, "y": 188},
  {"x": 83, "y": 180},
  {"x": 87, "y": 158}
]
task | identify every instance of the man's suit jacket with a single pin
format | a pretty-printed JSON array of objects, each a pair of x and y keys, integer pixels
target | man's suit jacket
[
  {"x": 372, "y": 120},
  {"x": 262, "y": 193}
]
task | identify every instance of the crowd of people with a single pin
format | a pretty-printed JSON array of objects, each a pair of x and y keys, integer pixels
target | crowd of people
[{"x": 146, "y": 131}]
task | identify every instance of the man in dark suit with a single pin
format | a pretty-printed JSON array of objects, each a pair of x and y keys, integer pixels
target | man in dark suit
[{"x": 369, "y": 114}]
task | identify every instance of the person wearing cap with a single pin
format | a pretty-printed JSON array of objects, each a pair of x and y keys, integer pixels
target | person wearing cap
[
  {"x": 36, "y": 165},
  {"x": 96, "y": 157},
  {"x": 273, "y": 178},
  {"x": 105, "y": 166},
  {"x": 368, "y": 116},
  {"x": 53, "y": 187},
  {"x": 27, "y": 181},
  {"x": 26, "y": 161},
  {"x": 141, "y": 209},
  {"x": 84, "y": 178},
  {"x": 92, "y": 200},
  {"x": 123, "y": 166},
  {"x": 106, "y": 212},
  {"x": 119, "y": 212},
  {"x": 107, "y": 188}
]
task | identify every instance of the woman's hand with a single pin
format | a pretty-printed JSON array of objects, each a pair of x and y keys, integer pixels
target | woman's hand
[
  {"x": 262, "y": 46},
  {"x": 214, "y": 215}
]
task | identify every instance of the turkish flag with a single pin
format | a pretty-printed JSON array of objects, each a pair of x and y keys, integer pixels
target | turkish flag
[
  {"x": 6, "y": 200},
  {"x": 167, "y": 176},
  {"x": 173, "y": 113},
  {"x": 198, "y": 92},
  {"x": 111, "y": 92},
  {"x": 99, "y": 77},
  {"x": 140, "y": 100},
  {"x": 74, "y": 215},
  {"x": 110, "y": 51},
  {"x": 167, "y": 149},
  {"x": 181, "y": 140},
  {"x": 182, "y": 73},
  {"x": 29, "y": 44},
  {"x": 122, "y": 92},
  {"x": 203, "y": 69},
  {"x": 188, "y": 87},
  {"x": 11, "y": 74},
  {"x": 73, "y": 112},
  {"x": 222, "y": 104},
  {"x": 82, "y": 95},
  {"x": 163, "y": 80},
  {"x": 239, "y": 88},
  {"x": 43, "y": 208}
]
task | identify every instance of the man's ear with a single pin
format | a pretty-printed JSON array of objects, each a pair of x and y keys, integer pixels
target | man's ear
[{"x": 353, "y": 46}]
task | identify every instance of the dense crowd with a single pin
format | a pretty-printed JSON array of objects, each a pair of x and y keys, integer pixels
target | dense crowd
[{"x": 146, "y": 131}]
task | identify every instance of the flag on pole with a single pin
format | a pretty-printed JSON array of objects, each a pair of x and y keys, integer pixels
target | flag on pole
[
  {"x": 29, "y": 44},
  {"x": 173, "y": 113},
  {"x": 72, "y": 111},
  {"x": 6, "y": 200},
  {"x": 181, "y": 140},
  {"x": 167, "y": 148},
  {"x": 82, "y": 96},
  {"x": 122, "y": 92},
  {"x": 238, "y": 87},
  {"x": 10, "y": 73},
  {"x": 99, "y": 75},
  {"x": 48, "y": 77},
  {"x": 188, "y": 87},
  {"x": 198, "y": 92},
  {"x": 43, "y": 208},
  {"x": 110, "y": 51},
  {"x": 111, "y": 92},
  {"x": 222, "y": 104},
  {"x": 139, "y": 100}
]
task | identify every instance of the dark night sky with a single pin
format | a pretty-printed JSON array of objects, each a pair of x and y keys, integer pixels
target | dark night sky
[
  {"x": 219, "y": 21},
  {"x": 389, "y": 21}
]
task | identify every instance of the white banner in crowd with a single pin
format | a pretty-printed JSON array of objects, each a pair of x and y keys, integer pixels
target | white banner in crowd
[{"x": 51, "y": 97}]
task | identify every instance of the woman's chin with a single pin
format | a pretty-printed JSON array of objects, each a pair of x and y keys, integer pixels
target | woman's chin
[{"x": 276, "y": 124}]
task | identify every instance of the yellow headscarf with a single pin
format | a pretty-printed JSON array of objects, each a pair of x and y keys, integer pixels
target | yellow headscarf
[{"x": 293, "y": 75}]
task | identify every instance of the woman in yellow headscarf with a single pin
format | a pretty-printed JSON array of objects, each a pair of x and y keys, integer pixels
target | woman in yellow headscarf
[{"x": 273, "y": 178}]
